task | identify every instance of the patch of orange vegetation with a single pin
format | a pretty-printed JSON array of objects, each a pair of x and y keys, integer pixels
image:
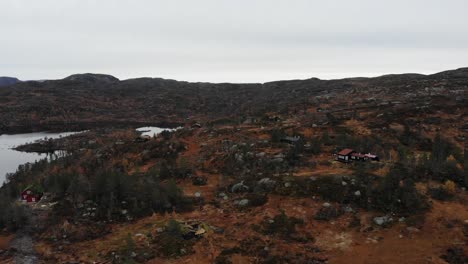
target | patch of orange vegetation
[
  {"x": 398, "y": 245},
  {"x": 358, "y": 127},
  {"x": 235, "y": 222},
  {"x": 5, "y": 241},
  {"x": 308, "y": 132},
  {"x": 397, "y": 127},
  {"x": 330, "y": 240},
  {"x": 323, "y": 171},
  {"x": 144, "y": 168},
  {"x": 271, "y": 150},
  {"x": 44, "y": 249},
  {"x": 382, "y": 171},
  {"x": 264, "y": 136},
  {"x": 339, "y": 243}
]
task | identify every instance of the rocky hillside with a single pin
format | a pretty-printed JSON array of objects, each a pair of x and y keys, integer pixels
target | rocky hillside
[
  {"x": 91, "y": 99},
  {"x": 251, "y": 175}
]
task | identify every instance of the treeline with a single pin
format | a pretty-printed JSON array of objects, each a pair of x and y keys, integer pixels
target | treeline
[
  {"x": 12, "y": 215},
  {"x": 116, "y": 195},
  {"x": 109, "y": 194},
  {"x": 443, "y": 163}
]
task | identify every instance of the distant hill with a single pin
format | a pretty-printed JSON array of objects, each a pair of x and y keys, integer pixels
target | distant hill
[
  {"x": 87, "y": 100},
  {"x": 5, "y": 81},
  {"x": 90, "y": 78}
]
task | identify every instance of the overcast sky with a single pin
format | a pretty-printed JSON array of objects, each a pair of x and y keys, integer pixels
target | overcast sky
[{"x": 231, "y": 40}]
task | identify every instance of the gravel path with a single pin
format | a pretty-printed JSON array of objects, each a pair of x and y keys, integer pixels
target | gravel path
[{"x": 22, "y": 244}]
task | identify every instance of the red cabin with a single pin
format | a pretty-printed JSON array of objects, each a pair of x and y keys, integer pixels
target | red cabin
[
  {"x": 345, "y": 155},
  {"x": 349, "y": 155},
  {"x": 29, "y": 195}
]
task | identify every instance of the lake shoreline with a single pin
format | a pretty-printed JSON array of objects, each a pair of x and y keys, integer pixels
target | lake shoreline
[
  {"x": 81, "y": 126},
  {"x": 21, "y": 148}
]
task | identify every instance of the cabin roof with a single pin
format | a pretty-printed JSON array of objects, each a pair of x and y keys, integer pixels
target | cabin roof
[
  {"x": 33, "y": 188},
  {"x": 345, "y": 152},
  {"x": 29, "y": 187}
]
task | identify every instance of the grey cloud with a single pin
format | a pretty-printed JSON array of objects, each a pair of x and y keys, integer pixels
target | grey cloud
[{"x": 221, "y": 40}]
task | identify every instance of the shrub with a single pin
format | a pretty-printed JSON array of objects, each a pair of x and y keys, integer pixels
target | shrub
[
  {"x": 396, "y": 193},
  {"x": 328, "y": 213},
  {"x": 330, "y": 188},
  {"x": 129, "y": 249},
  {"x": 12, "y": 216},
  {"x": 199, "y": 180},
  {"x": 455, "y": 255},
  {"x": 173, "y": 246},
  {"x": 277, "y": 135},
  {"x": 281, "y": 225},
  {"x": 256, "y": 199},
  {"x": 223, "y": 259},
  {"x": 174, "y": 227},
  {"x": 315, "y": 146},
  {"x": 444, "y": 192},
  {"x": 171, "y": 242},
  {"x": 440, "y": 194}
]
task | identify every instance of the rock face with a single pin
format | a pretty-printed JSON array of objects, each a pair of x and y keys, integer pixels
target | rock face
[{"x": 5, "y": 81}]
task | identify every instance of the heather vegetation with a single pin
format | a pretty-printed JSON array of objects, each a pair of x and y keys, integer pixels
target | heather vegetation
[{"x": 253, "y": 174}]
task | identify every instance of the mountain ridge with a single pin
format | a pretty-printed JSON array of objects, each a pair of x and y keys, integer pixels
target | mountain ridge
[
  {"x": 463, "y": 71},
  {"x": 103, "y": 99}
]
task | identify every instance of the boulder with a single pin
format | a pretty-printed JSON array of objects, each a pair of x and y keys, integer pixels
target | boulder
[
  {"x": 223, "y": 196},
  {"x": 348, "y": 209},
  {"x": 243, "y": 202},
  {"x": 267, "y": 183},
  {"x": 383, "y": 220},
  {"x": 277, "y": 160},
  {"x": 239, "y": 187}
]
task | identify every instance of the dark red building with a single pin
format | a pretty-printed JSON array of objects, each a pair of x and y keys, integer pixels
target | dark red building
[
  {"x": 30, "y": 195},
  {"x": 345, "y": 155},
  {"x": 349, "y": 155}
]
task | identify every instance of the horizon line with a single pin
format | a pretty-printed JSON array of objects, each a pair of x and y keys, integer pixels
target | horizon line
[{"x": 331, "y": 76}]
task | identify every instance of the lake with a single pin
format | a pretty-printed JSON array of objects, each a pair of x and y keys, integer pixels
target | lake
[
  {"x": 10, "y": 159},
  {"x": 151, "y": 131}
]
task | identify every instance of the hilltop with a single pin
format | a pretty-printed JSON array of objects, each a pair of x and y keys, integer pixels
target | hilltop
[{"x": 5, "y": 81}]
